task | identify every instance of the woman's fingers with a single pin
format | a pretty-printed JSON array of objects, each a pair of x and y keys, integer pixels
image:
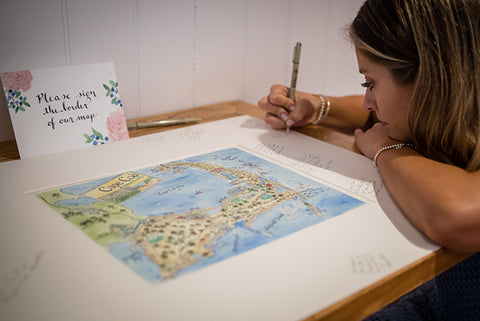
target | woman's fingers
[{"x": 274, "y": 121}]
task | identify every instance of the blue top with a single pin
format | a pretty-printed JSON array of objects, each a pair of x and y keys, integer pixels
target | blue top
[{"x": 452, "y": 295}]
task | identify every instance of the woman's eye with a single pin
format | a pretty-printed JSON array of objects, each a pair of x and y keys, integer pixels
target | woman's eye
[{"x": 368, "y": 84}]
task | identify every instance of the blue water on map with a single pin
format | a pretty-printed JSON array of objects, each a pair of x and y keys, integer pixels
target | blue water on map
[
  {"x": 77, "y": 202},
  {"x": 136, "y": 260},
  {"x": 179, "y": 193}
]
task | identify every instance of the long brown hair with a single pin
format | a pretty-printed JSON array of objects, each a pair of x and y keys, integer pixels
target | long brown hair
[{"x": 434, "y": 44}]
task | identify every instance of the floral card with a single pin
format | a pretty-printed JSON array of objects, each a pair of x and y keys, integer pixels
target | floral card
[{"x": 59, "y": 109}]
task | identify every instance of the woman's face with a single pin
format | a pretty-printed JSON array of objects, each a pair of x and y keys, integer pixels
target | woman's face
[{"x": 389, "y": 100}]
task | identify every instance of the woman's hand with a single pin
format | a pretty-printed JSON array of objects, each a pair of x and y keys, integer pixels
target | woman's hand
[
  {"x": 370, "y": 141},
  {"x": 281, "y": 111}
]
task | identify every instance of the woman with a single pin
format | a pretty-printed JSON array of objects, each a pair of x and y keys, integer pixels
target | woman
[{"x": 420, "y": 121}]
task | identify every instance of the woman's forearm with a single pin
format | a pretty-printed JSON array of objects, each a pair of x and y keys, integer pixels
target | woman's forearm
[
  {"x": 439, "y": 199},
  {"x": 346, "y": 113}
]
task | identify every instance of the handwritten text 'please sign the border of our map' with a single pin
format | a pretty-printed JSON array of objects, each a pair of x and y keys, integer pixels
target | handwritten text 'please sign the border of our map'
[{"x": 56, "y": 105}]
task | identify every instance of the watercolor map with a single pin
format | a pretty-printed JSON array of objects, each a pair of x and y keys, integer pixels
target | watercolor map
[{"x": 175, "y": 218}]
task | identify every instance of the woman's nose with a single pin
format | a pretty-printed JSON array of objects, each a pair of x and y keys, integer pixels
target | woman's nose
[{"x": 369, "y": 102}]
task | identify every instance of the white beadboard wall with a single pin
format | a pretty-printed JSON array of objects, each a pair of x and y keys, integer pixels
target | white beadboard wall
[{"x": 176, "y": 54}]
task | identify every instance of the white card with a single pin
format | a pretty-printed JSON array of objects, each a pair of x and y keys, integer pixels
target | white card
[{"x": 59, "y": 109}]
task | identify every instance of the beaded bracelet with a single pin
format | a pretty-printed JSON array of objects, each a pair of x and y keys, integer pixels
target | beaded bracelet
[
  {"x": 396, "y": 146},
  {"x": 323, "y": 112}
]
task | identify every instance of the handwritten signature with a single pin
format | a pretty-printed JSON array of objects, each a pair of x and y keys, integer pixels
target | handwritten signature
[{"x": 11, "y": 284}]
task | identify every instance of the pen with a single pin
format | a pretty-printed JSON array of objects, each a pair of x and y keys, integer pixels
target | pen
[
  {"x": 293, "y": 83},
  {"x": 159, "y": 123}
]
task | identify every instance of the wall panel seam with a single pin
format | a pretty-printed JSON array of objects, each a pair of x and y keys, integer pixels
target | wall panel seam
[
  {"x": 136, "y": 44},
  {"x": 196, "y": 4},
  {"x": 243, "y": 93},
  {"x": 66, "y": 33},
  {"x": 290, "y": 42}
]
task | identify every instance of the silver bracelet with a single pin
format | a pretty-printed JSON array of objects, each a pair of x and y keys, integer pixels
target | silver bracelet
[
  {"x": 396, "y": 146},
  {"x": 323, "y": 113}
]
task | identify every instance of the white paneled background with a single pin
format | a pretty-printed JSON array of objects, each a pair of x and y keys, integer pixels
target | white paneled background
[{"x": 176, "y": 54}]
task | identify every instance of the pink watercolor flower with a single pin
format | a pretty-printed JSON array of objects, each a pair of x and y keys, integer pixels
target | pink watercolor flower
[
  {"x": 18, "y": 80},
  {"x": 117, "y": 126}
]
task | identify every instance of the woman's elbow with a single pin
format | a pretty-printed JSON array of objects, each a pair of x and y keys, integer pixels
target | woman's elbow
[{"x": 455, "y": 226}]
